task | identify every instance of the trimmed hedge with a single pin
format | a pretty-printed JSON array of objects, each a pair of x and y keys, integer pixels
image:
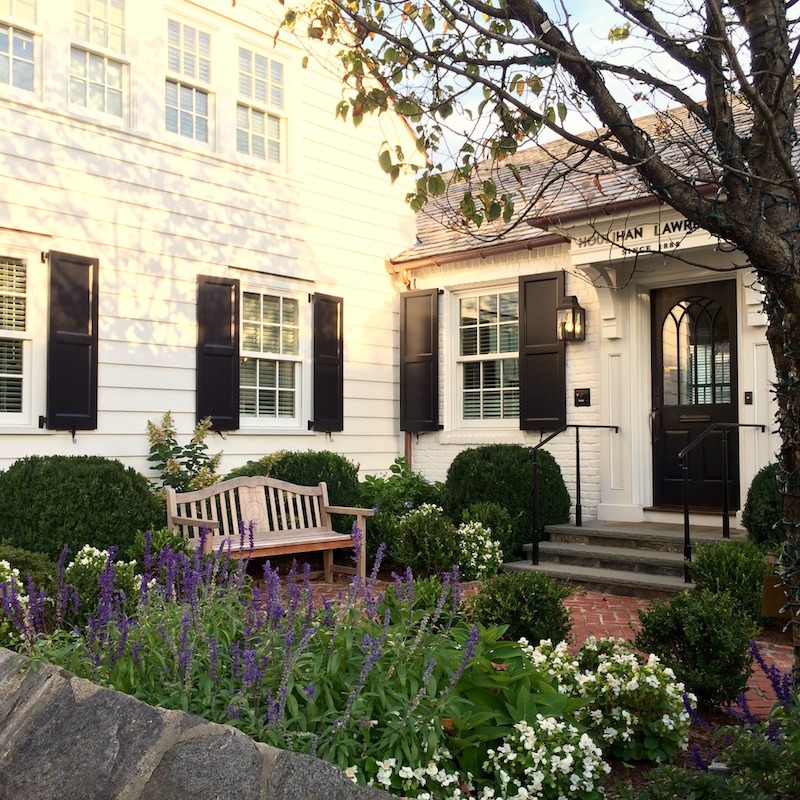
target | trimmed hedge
[
  {"x": 763, "y": 509},
  {"x": 47, "y": 502},
  {"x": 503, "y": 474}
]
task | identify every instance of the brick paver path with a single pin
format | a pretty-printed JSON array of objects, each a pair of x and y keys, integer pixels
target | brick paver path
[{"x": 598, "y": 614}]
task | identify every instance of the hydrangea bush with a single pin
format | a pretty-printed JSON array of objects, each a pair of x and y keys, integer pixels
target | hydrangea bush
[
  {"x": 480, "y": 555},
  {"x": 635, "y": 709}
]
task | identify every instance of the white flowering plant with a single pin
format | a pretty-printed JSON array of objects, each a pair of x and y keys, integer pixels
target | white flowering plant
[
  {"x": 480, "y": 556},
  {"x": 426, "y": 541},
  {"x": 546, "y": 758},
  {"x": 10, "y": 579},
  {"x": 634, "y": 708},
  {"x": 85, "y": 574},
  {"x": 438, "y": 779}
]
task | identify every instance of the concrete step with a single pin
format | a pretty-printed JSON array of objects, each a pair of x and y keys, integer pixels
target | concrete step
[
  {"x": 610, "y": 581},
  {"x": 664, "y": 537},
  {"x": 651, "y": 562}
]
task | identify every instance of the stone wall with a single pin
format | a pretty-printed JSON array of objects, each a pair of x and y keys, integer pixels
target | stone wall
[{"x": 63, "y": 737}]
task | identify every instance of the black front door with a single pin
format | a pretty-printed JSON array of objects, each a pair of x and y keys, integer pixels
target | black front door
[{"x": 694, "y": 386}]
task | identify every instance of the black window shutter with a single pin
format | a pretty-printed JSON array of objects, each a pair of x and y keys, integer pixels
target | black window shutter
[
  {"x": 218, "y": 351},
  {"x": 72, "y": 343},
  {"x": 328, "y": 363},
  {"x": 419, "y": 361},
  {"x": 542, "y": 363}
]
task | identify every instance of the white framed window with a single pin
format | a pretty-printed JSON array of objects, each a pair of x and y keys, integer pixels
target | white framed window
[
  {"x": 274, "y": 341},
  {"x": 259, "y": 112},
  {"x": 15, "y": 341},
  {"x": 97, "y": 76},
  {"x": 101, "y": 23},
  {"x": 20, "y": 9},
  {"x": 187, "y": 104},
  {"x": 17, "y": 57},
  {"x": 96, "y": 82},
  {"x": 487, "y": 357}
]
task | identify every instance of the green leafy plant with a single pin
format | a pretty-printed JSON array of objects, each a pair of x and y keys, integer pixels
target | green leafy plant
[
  {"x": 738, "y": 568},
  {"x": 502, "y": 473},
  {"x": 84, "y": 573},
  {"x": 184, "y": 468},
  {"x": 390, "y": 497},
  {"x": 47, "y": 502},
  {"x": 763, "y": 508},
  {"x": 37, "y": 566},
  {"x": 426, "y": 541},
  {"x": 497, "y": 519},
  {"x": 704, "y": 637},
  {"x": 529, "y": 604}
]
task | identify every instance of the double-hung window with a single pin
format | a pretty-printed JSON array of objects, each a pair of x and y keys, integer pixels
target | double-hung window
[
  {"x": 270, "y": 372},
  {"x": 96, "y": 74},
  {"x": 17, "y": 45},
  {"x": 259, "y": 111},
  {"x": 187, "y": 96},
  {"x": 488, "y": 355}
]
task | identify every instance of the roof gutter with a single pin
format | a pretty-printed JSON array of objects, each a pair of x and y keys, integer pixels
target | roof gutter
[{"x": 402, "y": 267}]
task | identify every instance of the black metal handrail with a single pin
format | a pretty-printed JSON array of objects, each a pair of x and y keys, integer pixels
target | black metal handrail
[
  {"x": 535, "y": 480},
  {"x": 725, "y": 427}
]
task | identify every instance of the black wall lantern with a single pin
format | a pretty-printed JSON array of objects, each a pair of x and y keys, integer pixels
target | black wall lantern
[{"x": 571, "y": 320}]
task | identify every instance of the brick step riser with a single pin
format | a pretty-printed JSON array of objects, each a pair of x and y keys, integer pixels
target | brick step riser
[
  {"x": 671, "y": 546},
  {"x": 621, "y": 565}
]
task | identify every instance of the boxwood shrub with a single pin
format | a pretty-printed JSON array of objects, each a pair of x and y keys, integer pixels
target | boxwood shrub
[
  {"x": 503, "y": 474},
  {"x": 763, "y": 511},
  {"x": 47, "y": 502}
]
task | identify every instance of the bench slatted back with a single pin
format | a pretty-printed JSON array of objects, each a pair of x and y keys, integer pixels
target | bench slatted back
[{"x": 272, "y": 507}]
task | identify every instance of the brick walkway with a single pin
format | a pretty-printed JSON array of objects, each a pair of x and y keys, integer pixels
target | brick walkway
[{"x": 598, "y": 614}]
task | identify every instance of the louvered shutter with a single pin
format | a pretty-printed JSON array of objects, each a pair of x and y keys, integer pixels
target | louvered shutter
[
  {"x": 419, "y": 361},
  {"x": 542, "y": 370},
  {"x": 218, "y": 351},
  {"x": 72, "y": 343},
  {"x": 328, "y": 373}
]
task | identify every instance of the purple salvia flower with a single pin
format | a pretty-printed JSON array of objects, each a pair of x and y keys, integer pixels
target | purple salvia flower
[
  {"x": 135, "y": 650},
  {"x": 105, "y": 606},
  {"x": 694, "y": 716},
  {"x": 437, "y": 611},
  {"x": 308, "y": 691},
  {"x": 470, "y": 646},
  {"x": 358, "y": 540},
  {"x": 783, "y": 683},
  {"x": 455, "y": 589},
  {"x": 426, "y": 676},
  {"x": 697, "y": 759},
  {"x": 233, "y": 711},
  {"x": 251, "y": 673},
  {"x": 236, "y": 655},
  {"x": 62, "y": 590},
  {"x": 327, "y": 607},
  {"x": 308, "y": 593},
  {"x": 36, "y": 604}
]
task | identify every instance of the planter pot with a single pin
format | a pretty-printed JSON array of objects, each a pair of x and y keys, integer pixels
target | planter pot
[{"x": 773, "y": 599}]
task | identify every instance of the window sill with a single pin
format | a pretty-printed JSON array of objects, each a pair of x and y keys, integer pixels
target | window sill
[{"x": 475, "y": 437}]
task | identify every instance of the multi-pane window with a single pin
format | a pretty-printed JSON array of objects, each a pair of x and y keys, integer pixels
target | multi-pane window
[
  {"x": 100, "y": 22},
  {"x": 269, "y": 373},
  {"x": 13, "y": 323},
  {"x": 488, "y": 355},
  {"x": 16, "y": 57},
  {"x": 261, "y": 89},
  {"x": 95, "y": 82},
  {"x": 96, "y": 78},
  {"x": 186, "y": 110},
  {"x": 186, "y": 104},
  {"x": 21, "y": 9}
]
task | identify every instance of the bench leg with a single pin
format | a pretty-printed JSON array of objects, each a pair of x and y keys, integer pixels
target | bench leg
[{"x": 327, "y": 564}]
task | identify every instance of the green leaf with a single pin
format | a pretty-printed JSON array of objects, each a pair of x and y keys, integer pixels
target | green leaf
[
  {"x": 562, "y": 111},
  {"x": 620, "y": 32},
  {"x": 385, "y": 161},
  {"x": 436, "y": 185}
]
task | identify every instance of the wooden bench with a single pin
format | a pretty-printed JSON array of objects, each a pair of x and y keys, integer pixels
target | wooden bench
[{"x": 285, "y": 518}]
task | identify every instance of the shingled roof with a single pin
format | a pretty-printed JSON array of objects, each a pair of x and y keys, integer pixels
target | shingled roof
[{"x": 553, "y": 181}]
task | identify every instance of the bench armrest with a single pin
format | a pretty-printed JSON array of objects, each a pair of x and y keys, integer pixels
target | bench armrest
[
  {"x": 359, "y": 512},
  {"x": 197, "y": 523}
]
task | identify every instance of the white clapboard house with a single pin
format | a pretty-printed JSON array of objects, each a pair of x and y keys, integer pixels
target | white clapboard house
[{"x": 185, "y": 226}]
